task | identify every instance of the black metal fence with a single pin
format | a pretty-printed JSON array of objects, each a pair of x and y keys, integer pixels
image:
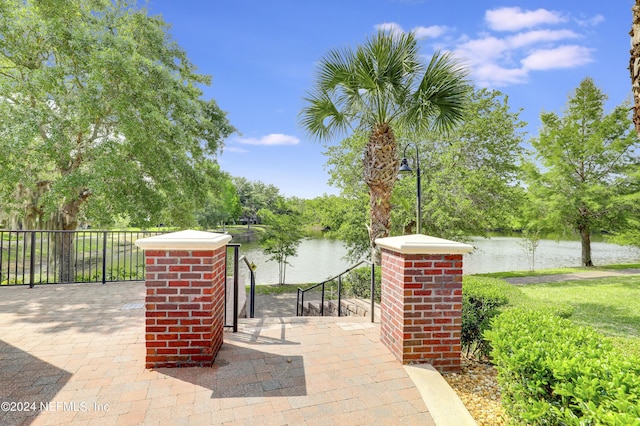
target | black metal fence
[{"x": 83, "y": 256}]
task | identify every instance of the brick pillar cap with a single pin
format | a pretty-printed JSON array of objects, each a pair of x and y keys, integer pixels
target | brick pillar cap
[
  {"x": 422, "y": 244},
  {"x": 184, "y": 240}
]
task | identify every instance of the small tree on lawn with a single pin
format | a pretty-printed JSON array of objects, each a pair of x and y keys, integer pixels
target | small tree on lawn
[
  {"x": 585, "y": 167},
  {"x": 530, "y": 242},
  {"x": 282, "y": 238}
]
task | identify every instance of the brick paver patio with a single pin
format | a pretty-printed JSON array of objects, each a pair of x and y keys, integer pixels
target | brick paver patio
[{"x": 76, "y": 353}]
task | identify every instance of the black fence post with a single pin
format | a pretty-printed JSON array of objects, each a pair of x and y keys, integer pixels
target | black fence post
[
  {"x": 373, "y": 290},
  {"x": 1, "y": 250},
  {"x": 252, "y": 306},
  {"x": 236, "y": 250},
  {"x": 32, "y": 260},
  {"x": 339, "y": 295},
  {"x": 104, "y": 257}
]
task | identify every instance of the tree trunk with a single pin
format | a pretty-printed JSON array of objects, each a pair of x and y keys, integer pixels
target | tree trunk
[
  {"x": 66, "y": 223},
  {"x": 634, "y": 64},
  {"x": 284, "y": 271},
  {"x": 585, "y": 236},
  {"x": 63, "y": 253},
  {"x": 380, "y": 174}
]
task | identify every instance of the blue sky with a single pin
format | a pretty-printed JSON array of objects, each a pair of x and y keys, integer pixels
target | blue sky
[{"x": 262, "y": 57}]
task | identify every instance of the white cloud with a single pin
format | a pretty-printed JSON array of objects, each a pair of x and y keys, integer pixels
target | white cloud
[
  {"x": 590, "y": 22},
  {"x": 497, "y": 60},
  {"x": 500, "y": 59},
  {"x": 433, "y": 31},
  {"x": 420, "y": 32},
  {"x": 493, "y": 75},
  {"x": 390, "y": 27},
  {"x": 539, "y": 36},
  {"x": 559, "y": 57},
  {"x": 481, "y": 50},
  {"x": 271, "y": 140},
  {"x": 514, "y": 18}
]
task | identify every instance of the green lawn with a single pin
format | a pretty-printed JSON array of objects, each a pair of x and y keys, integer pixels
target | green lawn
[
  {"x": 517, "y": 274},
  {"x": 610, "y": 305},
  {"x": 277, "y": 288}
]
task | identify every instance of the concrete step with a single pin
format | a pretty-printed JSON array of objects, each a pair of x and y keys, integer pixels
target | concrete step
[{"x": 349, "y": 307}]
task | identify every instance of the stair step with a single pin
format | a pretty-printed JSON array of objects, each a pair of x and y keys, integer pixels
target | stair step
[{"x": 350, "y": 307}]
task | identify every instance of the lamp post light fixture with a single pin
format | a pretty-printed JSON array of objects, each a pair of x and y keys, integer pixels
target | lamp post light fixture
[{"x": 404, "y": 169}]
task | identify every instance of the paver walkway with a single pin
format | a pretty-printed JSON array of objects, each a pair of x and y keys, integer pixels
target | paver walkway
[
  {"x": 276, "y": 305},
  {"x": 585, "y": 275},
  {"x": 75, "y": 354}
]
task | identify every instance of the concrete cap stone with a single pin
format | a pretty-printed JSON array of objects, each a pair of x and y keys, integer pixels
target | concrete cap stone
[
  {"x": 422, "y": 244},
  {"x": 184, "y": 240}
]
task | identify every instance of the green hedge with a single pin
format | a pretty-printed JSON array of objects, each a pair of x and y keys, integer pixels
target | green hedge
[
  {"x": 552, "y": 372},
  {"x": 481, "y": 299}
]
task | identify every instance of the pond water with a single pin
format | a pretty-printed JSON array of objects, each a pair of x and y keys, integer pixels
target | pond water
[
  {"x": 500, "y": 254},
  {"x": 319, "y": 258}
]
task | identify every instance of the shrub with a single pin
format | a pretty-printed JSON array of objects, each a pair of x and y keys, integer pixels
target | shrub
[
  {"x": 554, "y": 372},
  {"x": 95, "y": 277},
  {"x": 357, "y": 283},
  {"x": 11, "y": 281},
  {"x": 481, "y": 298}
]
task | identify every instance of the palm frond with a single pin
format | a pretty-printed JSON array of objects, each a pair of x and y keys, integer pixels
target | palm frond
[
  {"x": 321, "y": 117},
  {"x": 382, "y": 81},
  {"x": 334, "y": 69},
  {"x": 441, "y": 96}
]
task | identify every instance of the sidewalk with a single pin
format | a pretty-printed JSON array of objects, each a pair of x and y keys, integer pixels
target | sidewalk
[
  {"x": 76, "y": 353},
  {"x": 275, "y": 305},
  {"x": 541, "y": 279}
]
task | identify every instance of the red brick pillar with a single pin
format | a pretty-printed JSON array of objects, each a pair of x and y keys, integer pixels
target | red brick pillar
[
  {"x": 421, "y": 307},
  {"x": 185, "y": 294}
]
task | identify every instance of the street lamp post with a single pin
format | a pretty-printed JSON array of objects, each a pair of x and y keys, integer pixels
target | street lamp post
[{"x": 404, "y": 168}]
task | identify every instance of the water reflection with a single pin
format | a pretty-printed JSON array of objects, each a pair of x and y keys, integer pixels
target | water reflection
[
  {"x": 499, "y": 254},
  {"x": 317, "y": 260},
  {"x": 320, "y": 258}
]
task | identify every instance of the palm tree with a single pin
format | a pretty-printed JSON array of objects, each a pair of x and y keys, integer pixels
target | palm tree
[
  {"x": 379, "y": 88},
  {"x": 634, "y": 63}
]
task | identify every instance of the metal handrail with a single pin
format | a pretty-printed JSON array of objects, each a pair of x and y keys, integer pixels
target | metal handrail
[
  {"x": 301, "y": 292},
  {"x": 236, "y": 285},
  {"x": 252, "y": 291}
]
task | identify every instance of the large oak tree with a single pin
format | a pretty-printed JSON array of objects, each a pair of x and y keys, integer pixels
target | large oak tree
[{"x": 102, "y": 116}]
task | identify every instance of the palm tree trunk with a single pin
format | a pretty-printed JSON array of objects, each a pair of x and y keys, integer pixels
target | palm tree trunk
[
  {"x": 634, "y": 64},
  {"x": 380, "y": 174}
]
